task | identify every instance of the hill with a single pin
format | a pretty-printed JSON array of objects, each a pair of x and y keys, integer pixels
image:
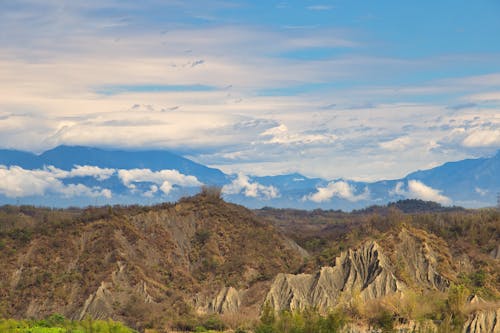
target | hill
[
  {"x": 159, "y": 266},
  {"x": 205, "y": 262}
]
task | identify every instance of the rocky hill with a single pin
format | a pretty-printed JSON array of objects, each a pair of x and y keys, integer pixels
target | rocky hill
[
  {"x": 205, "y": 262},
  {"x": 157, "y": 266}
]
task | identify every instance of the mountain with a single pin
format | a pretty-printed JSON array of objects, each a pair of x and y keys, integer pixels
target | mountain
[
  {"x": 66, "y": 157},
  {"x": 202, "y": 263},
  {"x": 80, "y": 176}
]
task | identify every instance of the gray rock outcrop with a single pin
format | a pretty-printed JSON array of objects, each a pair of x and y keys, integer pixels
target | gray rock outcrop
[
  {"x": 420, "y": 262},
  {"x": 363, "y": 273},
  {"x": 228, "y": 300},
  {"x": 485, "y": 321}
]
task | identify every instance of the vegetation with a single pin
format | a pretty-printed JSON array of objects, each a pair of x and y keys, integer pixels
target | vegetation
[
  {"x": 58, "y": 324},
  {"x": 306, "y": 321},
  {"x": 194, "y": 247}
]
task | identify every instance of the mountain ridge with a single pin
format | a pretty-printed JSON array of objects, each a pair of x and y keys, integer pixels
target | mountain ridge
[{"x": 139, "y": 176}]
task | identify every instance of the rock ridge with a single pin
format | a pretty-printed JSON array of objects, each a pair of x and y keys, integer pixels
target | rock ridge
[{"x": 364, "y": 273}]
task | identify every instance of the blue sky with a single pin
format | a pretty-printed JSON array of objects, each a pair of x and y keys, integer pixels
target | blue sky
[{"x": 354, "y": 89}]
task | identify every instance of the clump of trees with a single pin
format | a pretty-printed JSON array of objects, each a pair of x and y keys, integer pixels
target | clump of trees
[{"x": 305, "y": 321}]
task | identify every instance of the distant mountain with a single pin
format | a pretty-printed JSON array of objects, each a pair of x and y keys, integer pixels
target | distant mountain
[
  {"x": 68, "y": 175},
  {"x": 464, "y": 180},
  {"x": 66, "y": 157}
]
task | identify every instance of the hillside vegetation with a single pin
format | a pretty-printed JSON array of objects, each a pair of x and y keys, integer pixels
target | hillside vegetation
[
  {"x": 202, "y": 263},
  {"x": 58, "y": 324}
]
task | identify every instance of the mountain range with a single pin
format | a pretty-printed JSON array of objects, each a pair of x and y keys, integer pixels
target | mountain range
[{"x": 80, "y": 176}]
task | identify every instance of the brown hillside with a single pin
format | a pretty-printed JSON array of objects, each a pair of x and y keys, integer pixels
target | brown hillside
[{"x": 145, "y": 266}]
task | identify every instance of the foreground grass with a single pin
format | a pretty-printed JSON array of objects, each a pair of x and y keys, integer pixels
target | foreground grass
[{"x": 58, "y": 324}]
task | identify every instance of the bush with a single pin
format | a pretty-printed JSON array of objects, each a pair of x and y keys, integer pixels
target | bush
[
  {"x": 385, "y": 321},
  {"x": 213, "y": 322},
  {"x": 211, "y": 192}
]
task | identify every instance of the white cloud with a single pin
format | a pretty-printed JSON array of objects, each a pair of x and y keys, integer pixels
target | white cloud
[
  {"x": 73, "y": 190},
  {"x": 483, "y": 138},
  {"x": 281, "y": 135},
  {"x": 153, "y": 189},
  {"x": 340, "y": 189},
  {"x": 18, "y": 182},
  {"x": 242, "y": 184},
  {"x": 92, "y": 171},
  {"x": 396, "y": 144},
  {"x": 480, "y": 191},
  {"x": 398, "y": 190},
  {"x": 418, "y": 190},
  {"x": 165, "y": 179},
  {"x": 83, "y": 171}
]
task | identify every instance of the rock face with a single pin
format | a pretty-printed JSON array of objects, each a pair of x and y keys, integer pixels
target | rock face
[
  {"x": 228, "y": 300},
  {"x": 487, "y": 321},
  {"x": 363, "y": 273},
  {"x": 420, "y": 261}
]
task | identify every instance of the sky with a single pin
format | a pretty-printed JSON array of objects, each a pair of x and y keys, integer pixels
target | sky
[{"x": 362, "y": 90}]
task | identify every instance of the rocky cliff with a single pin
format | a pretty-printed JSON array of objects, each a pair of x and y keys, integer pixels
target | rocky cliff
[{"x": 364, "y": 272}]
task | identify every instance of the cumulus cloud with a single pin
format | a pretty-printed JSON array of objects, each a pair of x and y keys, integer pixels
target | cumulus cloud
[
  {"x": 242, "y": 184},
  {"x": 153, "y": 189},
  {"x": 418, "y": 190},
  {"x": 340, "y": 189},
  {"x": 19, "y": 182},
  {"x": 165, "y": 179}
]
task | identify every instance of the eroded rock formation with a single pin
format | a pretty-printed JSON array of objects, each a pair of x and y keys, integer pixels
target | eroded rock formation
[
  {"x": 363, "y": 273},
  {"x": 485, "y": 321}
]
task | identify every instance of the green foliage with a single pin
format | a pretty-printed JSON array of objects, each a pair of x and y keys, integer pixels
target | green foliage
[
  {"x": 306, "y": 321},
  {"x": 385, "y": 321},
  {"x": 56, "y": 323},
  {"x": 202, "y": 236},
  {"x": 213, "y": 322}
]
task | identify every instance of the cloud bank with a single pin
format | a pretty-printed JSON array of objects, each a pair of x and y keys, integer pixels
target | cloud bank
[{"x": 18, "y": 182}]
